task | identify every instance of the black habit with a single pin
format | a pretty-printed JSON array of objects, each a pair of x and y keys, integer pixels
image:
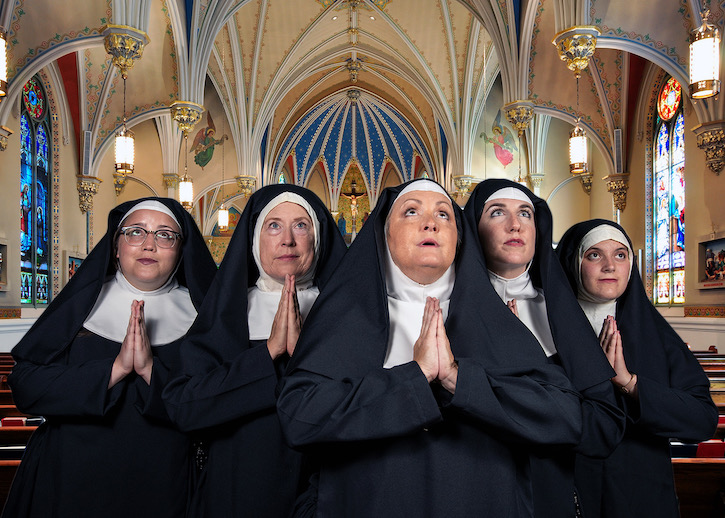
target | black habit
[
  {"x": 101, "y": 452},
  {"x": 389, "y": 443},
  {"x": 225, "y": 391},
  {"x": 577, "y": 351},
  {"x": 674, "y": 402}
]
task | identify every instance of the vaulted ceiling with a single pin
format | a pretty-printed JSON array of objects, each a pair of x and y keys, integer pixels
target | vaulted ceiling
[{"x": 270, "y": 62}]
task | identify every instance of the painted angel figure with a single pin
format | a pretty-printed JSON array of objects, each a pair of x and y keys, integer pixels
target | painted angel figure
[
  {"x": 204, "y": 142},
  {"x": 503, "y": 141}
]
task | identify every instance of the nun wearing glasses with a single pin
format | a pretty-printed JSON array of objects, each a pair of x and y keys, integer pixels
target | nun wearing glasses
[{"x": 94, "y": 365}]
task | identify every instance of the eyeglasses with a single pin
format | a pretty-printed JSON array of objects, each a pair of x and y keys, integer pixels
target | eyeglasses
[{"x": 136, "y": 236}]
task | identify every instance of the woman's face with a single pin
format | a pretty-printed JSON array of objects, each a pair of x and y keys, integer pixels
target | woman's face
[
  {"x": 287, "y": 241},
  {"x": 147, "y": 267},
  {"x": 422, "y": 235},
  {"x": 507, "y": 232},
  {"x": 605, "y": 269}
]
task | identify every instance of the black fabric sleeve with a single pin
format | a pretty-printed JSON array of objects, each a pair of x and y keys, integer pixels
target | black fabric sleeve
[
  {"x": 534, "y": 405},
  {"x": 149, "y": 401},
  {"x": 384, "y": 403},
  {"x": 65, "y": 390},
  {"x": 232, "y": 390},
  {"x": 603, "y": 421},
  {"x": 682, "y": 409}
]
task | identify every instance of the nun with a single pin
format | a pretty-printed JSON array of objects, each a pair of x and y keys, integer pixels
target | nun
[
  {"x": 94, "y": 365},
  {"x": 281, "y": 255},
  {"x": 662, "y": 387},
  {"x": 514, "y": 229},
  {"x": 413, "y": 388}
]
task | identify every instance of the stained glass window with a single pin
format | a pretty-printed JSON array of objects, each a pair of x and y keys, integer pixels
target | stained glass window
[
  {"x": 669, "y": 196},
  {"x": 282, "y": 178},
  {"x": 34, "y": 196}
]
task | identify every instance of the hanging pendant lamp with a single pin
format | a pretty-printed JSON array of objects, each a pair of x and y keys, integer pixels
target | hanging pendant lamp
[
  {"x": 186, "y": 185},
  {"x": 578, "y": 143},
  {"x": 3, "y": 63},
  {"x": 705, "y": 60}
]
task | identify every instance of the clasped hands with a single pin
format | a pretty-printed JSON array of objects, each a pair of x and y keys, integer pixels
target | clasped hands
[
  {"x": 287, "y": 322},
  {"x": 432, "y": 350},
  {"x": 135, "y": 354},
  {"x": 611, "y": 341}
]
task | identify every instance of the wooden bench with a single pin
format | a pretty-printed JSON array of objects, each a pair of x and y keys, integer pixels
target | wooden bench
[{"x": 700, "y": 487}]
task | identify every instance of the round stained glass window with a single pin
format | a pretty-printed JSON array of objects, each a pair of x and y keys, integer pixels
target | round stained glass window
[
  {"x": 34, "y": 99},
  {"x": 670, "y": 98}
]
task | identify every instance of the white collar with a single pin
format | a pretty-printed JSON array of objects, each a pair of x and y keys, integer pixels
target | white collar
[
  {"x": 168, "y": 310},
  {"x": 519, "y": 288}
]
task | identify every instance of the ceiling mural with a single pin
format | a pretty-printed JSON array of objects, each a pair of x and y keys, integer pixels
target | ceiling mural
[
  {"x": 282, "y": 71},
  {"x": 353, "y": 127}
]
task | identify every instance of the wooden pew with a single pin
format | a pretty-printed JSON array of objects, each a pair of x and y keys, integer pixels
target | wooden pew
[{"x": 700, "y": 487}]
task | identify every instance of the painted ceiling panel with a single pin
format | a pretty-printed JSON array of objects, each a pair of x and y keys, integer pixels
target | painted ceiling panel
[
  {"x": 32, "y": 31},
  {"x": 341, "y": 129}
]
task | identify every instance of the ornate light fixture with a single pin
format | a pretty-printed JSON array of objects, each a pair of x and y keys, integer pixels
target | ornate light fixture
[
  {"x": 3, "y": 63},
  {"x": 519, "y": 114},
  {"x": 124, "y": 150},
  {"x": 575, "y": 46},
  {"x": 463, "y": 184},
  {"x": 125, "y": 45},
  {"x": 246, "y": 183},
  {"x": 223, "y": 214},
  {"x": 705, "y": 60},
  {"x": 186, "y": 114},
  {"x": 577, "y": 143},
  {"x": 186, "y": 185}
]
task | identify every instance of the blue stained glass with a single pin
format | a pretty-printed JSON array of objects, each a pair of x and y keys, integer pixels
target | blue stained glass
[
  {"x": 41, "y": 144},
  {"x": 669, "y": 210},
  {"x": 34, "y": 199},
  {"x": 26, "y": 141}
]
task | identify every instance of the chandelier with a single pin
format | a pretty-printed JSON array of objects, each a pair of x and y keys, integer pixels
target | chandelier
[
  {"x": 577, "y": 143},
  {"x": 125, "y": 149},
  {"x": 705, "y": 60},
  {"x": 3, "y": 63},
  {"x": 186, "y": 185}
]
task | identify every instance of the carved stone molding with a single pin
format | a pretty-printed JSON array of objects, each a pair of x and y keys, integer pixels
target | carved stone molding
[
  {"x": 575, "y": 46},
  {"x": 618, "y": 184},
  {"x": 586, "y": 179},
  {"x": 119, "y": 182},
  {"x": 711, "y": 139},
  {"x": 186, "y": 114},
  {"x": 246, "y": 183},
  {"x": 536, "y": 180},
  {"x": 87, "y": 188},
  {"x": 4, "y": 135},
  {"x": 171, "y": 181},
  {"x": 125, "y": 45},
  {"x": 519, "y": 114},
  {"x": 463, "y": 184}
]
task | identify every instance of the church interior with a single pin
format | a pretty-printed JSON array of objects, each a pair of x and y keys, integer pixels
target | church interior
[{"x": 347, "y": 97}]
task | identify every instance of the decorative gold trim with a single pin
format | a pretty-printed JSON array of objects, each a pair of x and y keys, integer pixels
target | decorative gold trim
[
  {"x": 705, "y": 311},
  {"x": 10, "y": 313},
  {"x": 5, "y": 133},
  {"x": 87, "y": 188},
  {"x": 246, "y": 183},
  {"x": 617, "y": 184},
  {"x": 171, "y": 181},
  {"x": 586, "y": 180},
  {"x": 125, "y": 45},
  {"x": 463, "y": 184},
  {"x": 711, "y": 139},
  {"x": 519, "y": 114},
  {"x": 576, "y": 45},
  {"x": 536, "y": 179},
  {"x": 186, "y": 114}
]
